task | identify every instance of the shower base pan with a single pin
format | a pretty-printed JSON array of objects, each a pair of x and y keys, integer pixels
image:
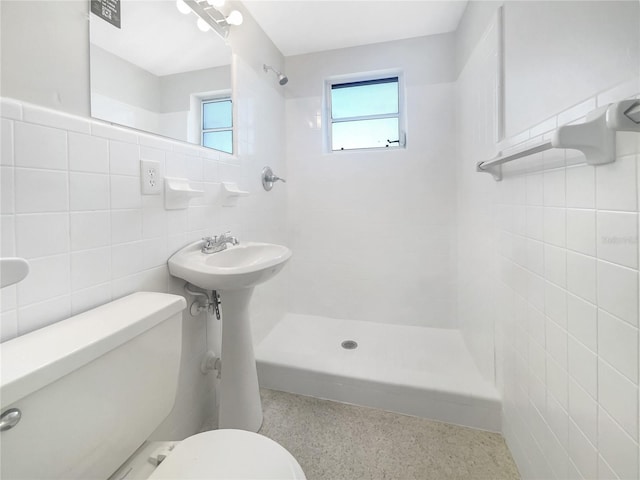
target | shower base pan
[{"x": 425, "y": 372}]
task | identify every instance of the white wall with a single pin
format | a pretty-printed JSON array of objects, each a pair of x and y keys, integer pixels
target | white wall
[
  {"x": 551, "y": 67},
  {"x": 52, "y": 37},
  {"x": 71, "y": 201},
  {"x": 373, "y": 231},
  {"x": 548, "y": 258}
]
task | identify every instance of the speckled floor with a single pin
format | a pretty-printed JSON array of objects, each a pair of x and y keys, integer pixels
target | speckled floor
[{"x": 335, "y": 441}]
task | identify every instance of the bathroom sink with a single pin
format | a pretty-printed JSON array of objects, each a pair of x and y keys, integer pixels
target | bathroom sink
[{"x": 238, "y": 266}]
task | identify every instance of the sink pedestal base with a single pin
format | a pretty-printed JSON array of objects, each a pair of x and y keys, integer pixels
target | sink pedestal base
[{"x": 240, "y": 405}]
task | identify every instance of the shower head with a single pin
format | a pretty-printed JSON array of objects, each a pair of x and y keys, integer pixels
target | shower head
[{"x": 282, "y": 78}]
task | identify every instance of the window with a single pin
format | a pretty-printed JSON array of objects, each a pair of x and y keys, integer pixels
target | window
[
  {"x": 217, "y": 124},
  {"x": 365, "y": 114}
]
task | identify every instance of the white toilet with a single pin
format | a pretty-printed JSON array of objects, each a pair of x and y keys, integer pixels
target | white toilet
[{"x": 91, "y": 389}]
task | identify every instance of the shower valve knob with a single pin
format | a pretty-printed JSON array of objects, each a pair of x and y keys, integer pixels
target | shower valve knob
[{"x": 268, "y": 178}]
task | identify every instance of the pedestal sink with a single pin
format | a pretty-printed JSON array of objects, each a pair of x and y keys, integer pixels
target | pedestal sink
[{"x": 234, "y": 272}]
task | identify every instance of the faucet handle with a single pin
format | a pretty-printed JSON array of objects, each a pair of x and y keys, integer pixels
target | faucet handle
[{"x": 210, "y": 240}]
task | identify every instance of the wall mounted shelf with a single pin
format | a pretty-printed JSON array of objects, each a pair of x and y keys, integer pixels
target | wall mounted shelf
[
  {"x": 230, "y": 194},
  {"x": 12, "y": 270},
  {"x": 178, "y": 193},
  {"x": 595, "y": 137}
]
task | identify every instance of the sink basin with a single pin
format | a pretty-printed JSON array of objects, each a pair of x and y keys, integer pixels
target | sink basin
[
  {"x": 233, "y": 273},
  {"x": 239, "y": 266}
]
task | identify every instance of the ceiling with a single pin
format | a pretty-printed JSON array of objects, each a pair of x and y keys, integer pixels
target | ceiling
[
  {"x": 304, "y": 26},
  {"x": 159, "y": 39}
]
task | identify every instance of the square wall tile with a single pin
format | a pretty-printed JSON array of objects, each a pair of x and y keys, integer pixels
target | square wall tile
[
  {"x": 126, "y": 259},
  {"x": 39, "y": 191},
  {"x": 616, "y": 187},
  {"x": 7, "y": 190},
  {"x": 148, "y": 153},
  {"x": 154, "y": 222},
  {"x": 627, "y": 143},
  {"x": 618, "y": 449},
  {"x": 558, "y": 420},
  {"x": 581, "y": 187},
  {"x": 88, "y": 191},
  {"x": 618, "y": 291},
  {"x": 7, "y": 236},
  {"x": 604, "y": 470},
  {"x": 126, "y": 226},
  {"x": 48, "y": 278},
  {"x": 536, "y": 325},
  {"x": 555, "y": 226},
  {"x": 555, "y": 265},
  {"x": 38, "y": 315},
  {"x": 124, "y": 158},
  {"x": 555, "y": 304},
  {"x": 619, "y": 397},
  {"x": 583, "y": 410},
  {"x": 618, "y": 345},
  {"x": 535, "y": 223},
  {"x": 88, "y": 154},
  {"x": 556, "y": 342},
  {"x": 535, "y": 290},
  {"x": 557, "y": 382},
  {"x": 40, "y": 147},
  {"x": 583, "y": 367},
  {"x": 582, "y": 452},
  {"x": 6, "y": 142},
  {"x": 581, "y": 231},
  {"x": 30, "y": 244},
  {"x": 581, "y": 276},
  {"x": 90, "y": 267},
  {"x": 90, "y": 229},
  {"x": 8, "y": 325},
  {"x": 554, "y": 188},
  {"x": 534, "y": 189},
  {"x": 535, "y": 256},
  {"x": 125, "y": 192},
  {"x": 582, "y": 319},
  {"x": 618, "y": 238},
  {"x": 83, "y": 300}
]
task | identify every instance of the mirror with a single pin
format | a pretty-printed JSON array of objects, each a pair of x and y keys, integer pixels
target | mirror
[{"x": 158, "y": 72}]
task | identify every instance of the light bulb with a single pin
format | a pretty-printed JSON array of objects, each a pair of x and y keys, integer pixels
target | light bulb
[
  {"x": 216, "y": 3},
  {"x": 182, "y": 7},
  {"x": 235, "y": 18},
  {"x": 202, "y": 25}
]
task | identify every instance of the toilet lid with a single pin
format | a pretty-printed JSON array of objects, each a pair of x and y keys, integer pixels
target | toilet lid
[{"x": 228, "y": 454}]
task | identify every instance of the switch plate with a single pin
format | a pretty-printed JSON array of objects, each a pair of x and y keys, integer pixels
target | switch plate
[{"x": 150, "y": 177}]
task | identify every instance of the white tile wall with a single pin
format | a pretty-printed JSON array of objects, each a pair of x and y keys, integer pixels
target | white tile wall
[
  {"x": 349, "y": 210},
  {"x": 569, "y": 378},
  {"x": 71, "y": 204}
]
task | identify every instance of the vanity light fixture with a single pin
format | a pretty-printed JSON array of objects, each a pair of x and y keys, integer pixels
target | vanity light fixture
[{"x": 209, "y": 17}]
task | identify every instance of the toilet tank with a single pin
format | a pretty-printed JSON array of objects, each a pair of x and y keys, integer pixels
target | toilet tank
[{"x": 91, "y": 388}]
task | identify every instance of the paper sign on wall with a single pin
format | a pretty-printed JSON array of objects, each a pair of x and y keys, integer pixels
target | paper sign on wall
[{"x": 108, "y": 10}]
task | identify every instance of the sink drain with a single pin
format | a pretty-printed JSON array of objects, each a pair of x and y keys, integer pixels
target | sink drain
[{"x": 349, "y": 344}]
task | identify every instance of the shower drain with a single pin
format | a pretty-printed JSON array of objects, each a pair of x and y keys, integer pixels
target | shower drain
[{"x": 349, "y": 344}]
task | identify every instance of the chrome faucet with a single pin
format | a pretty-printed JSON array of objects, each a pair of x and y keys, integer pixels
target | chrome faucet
[{"x": 218, "y": 243}]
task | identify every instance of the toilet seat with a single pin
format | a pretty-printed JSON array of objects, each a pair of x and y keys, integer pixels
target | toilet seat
[{"x": 228, "y": 454}]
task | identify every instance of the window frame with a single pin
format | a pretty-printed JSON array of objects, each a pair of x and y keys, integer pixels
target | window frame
[
  {"x": 216, "y": 99},
  {"x": 365, "y": 77}
]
